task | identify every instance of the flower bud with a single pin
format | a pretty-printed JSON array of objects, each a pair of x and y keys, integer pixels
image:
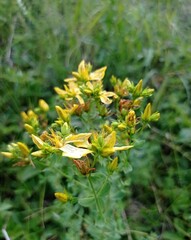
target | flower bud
[
  {"x": 29, "y": 128},
  {"x": 37, "y": 141},
  {"x": 38, "y": 153},
  {"x": 24, "y": 149},
  {"x": 43, "y": 105},
  {"x": 147, "y": 113},
  {"x": 7, "y": 154},
  {"x": 112, "y": 166},
  {"x": 122, "y": 126},
  {"x": 63, "y": 113},
  {"x": 138, "y": 88},
  {"x": 63, "y": 197}
]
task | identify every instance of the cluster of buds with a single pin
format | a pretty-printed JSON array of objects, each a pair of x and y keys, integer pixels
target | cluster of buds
[
  {"x": 34, "y": 120},
  {"x": 19, "y": 153},
  {"x": 109, "y": 118}
]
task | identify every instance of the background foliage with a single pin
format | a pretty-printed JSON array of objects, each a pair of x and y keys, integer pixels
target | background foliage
[{"x": 41, "y": 43}]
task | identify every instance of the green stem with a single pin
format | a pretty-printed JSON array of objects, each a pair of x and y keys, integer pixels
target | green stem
[{"x": 95, "y": 196}]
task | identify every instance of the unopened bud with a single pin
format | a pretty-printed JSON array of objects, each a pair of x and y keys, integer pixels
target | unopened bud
[
  {"x": 113, "y": 165},
  {"x": 122, "y": 126},
  {"x": 7, "y": 154},
  {"x": 63, "y": 197},
  {"x": 24, "y": 149},
  {"x": 147, "y": 113},
  {"x": 29, "y": 128},
  {"x": 138, "y": 88},
  {"x": 43, "y": 105},
  {"x": 38, "y": 153}
]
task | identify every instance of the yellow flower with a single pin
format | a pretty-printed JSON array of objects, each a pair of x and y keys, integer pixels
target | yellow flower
[
  {"x": 74, "y": 152},
  {"x": 84, "y": 73},
  {"x": 105, "y": 97},
  {"x": 53, "y": 142},
  {"x": 105, "y": 145},
  {"x": 71, "y": 91},
  {"x": 95, "y": 89}
]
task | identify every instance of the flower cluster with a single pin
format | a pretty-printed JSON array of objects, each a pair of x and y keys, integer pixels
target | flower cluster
[{"x": 91, "y": 123}]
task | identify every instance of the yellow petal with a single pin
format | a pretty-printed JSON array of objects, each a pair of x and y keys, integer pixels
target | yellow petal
[
  {"x": 122, "y": 148},
  {"x": 70, "y": 79},
  {"x": 74, "y": 152},
  {"x": 37, "y": 141},
  {"x": 110, "y": 140},
  {"x": 60, "y": 92},
  {"x": 38, "y": 153},
  {"x": 79, "y": 140},
  {"x": 104, "y": 99},
  {"x": 83, "y": 71},
  {"x": 80, "y": 99},
  {"x": 98, "y": 74}
]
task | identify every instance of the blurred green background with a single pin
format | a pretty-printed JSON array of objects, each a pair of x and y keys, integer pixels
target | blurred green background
[{"x": 41, "y": 42}]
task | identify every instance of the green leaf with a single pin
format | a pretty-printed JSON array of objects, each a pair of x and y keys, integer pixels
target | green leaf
[
  {"x": 104, "y": 189},
  {"x": 86, "y": 202}
]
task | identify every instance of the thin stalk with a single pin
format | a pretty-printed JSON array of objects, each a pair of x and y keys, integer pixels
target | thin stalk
[{"x": 95, "y": 196}]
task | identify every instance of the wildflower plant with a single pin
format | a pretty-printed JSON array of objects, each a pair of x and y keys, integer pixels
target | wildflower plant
[{"x": 93, "y": 133}]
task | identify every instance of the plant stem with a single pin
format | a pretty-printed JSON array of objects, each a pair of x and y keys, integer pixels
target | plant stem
[{"x": 95, "y": 196}]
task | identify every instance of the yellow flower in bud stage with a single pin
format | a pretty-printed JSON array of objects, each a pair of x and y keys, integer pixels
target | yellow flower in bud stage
[
  {"x": 7, "y": 154},
  {"x": 31, "y": 121},
  {"x": 43, "y": 105},
  {"x": 112, "y": 166},
  {"x": 18, "y": 152},
  {"x": 64, "y": 114},
  {"x": 84, "y": 73},
  {"x": 137, "y": 102},
  {"x": 39, "y": 143},
  {"x": 63, "y": 197},
  {"x": 138, "y": 88},
  {"x": 122, "y": 126},
  {"x": 24, "y": 149},
  {"x": 148, "y": 116},
  {"x": 24, "y": 116},
  {"x": 29, "y": 128},
  {"x": 39, "y": 153},
  {"x": 71, "y": 92}
]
